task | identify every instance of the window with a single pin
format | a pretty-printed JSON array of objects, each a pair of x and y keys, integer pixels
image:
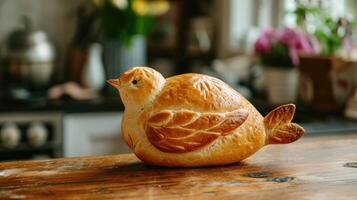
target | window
[
  {"x": 240, "y": 21},
  {"x": 334, "y": 7}
]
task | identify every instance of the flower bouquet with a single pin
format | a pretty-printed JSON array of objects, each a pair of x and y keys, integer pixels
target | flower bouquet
[
  {"x": 124, "y": 25},
  {"x": 125, "y": 19},
  {"x": 282, "y": 47},
  {"x": 326, "y": 76},
  {"x": 279, "y": 52}
]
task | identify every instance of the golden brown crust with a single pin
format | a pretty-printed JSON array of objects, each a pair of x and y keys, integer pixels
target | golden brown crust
[
  {"x": 188, "y": 142},
  {"x": 280, "y": 130},
  {"x": 286, "y": 133},
  {"x": 184, "y": 135},
  {"x": 196, "y": 95},
  {"x": 280, "y": 115},
  {"x": 160, "y": 117},
  {"x": 231, "y": 121},
  {"x": 124, "y": 133},
  {"x": 242, "y": 143},
  {"x": 182, "y": 118},
  {"x": 148, "y": 84},
  {"x": 199, "y": 93}
]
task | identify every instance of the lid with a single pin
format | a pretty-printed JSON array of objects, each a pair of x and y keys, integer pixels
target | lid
[
  {"x": 29, "y": 44},
  {"x": 25, "y": 37}
]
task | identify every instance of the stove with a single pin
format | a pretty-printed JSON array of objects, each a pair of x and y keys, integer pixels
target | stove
[{"x": 30, "y": 135}]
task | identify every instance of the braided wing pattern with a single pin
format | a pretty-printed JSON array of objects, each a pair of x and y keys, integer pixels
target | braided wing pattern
[{"x": 184, "y": 131}]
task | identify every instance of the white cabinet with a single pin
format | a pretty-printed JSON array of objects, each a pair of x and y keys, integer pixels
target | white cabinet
[{"x": 93, "y": 134}]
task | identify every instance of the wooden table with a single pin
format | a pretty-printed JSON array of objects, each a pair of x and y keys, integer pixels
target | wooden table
[{"x": 316, "y": 167}]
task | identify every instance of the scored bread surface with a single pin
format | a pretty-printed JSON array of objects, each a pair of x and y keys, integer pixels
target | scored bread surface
[
  {"x": 184, "y": 131},
  {"x": 194, "y": 120}
]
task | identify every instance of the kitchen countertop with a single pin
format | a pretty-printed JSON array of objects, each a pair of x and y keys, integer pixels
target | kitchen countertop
[
  {"x": 315, "y": 167},
  {"x": 103, "y": 104},
  {"x": 313, "y": 122}
]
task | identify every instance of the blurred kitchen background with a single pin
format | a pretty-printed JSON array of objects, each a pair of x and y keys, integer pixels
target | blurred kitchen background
[{"x": 56, "y": 55}]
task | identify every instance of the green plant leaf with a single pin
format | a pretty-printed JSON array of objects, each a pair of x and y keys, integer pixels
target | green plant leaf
[{"x": 123, "y": 24}]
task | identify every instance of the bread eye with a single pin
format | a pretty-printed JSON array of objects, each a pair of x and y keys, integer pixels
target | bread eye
[{"x": 134, "y": 82}]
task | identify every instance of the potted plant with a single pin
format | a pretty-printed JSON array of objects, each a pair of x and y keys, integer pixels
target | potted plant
[
  {"x": 125, "y": 23},
  {"x": 279, "y": 52},
  {"x": 323, "y": 85}
]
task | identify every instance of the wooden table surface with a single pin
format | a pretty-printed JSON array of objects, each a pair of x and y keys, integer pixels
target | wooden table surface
[{"x": 315, "y": 167}]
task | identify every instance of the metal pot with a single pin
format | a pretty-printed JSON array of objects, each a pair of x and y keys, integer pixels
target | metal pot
[{"x": 29, "y": 58}]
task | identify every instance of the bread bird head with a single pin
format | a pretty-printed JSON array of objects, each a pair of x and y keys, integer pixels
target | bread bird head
[{"x": 138, "y": 86}]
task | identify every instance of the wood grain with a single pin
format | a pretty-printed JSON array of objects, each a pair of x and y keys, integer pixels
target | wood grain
[{"x": 315, "y": 167}]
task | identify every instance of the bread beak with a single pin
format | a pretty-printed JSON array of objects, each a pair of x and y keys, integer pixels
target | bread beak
[{"x": 114, "y": 82}]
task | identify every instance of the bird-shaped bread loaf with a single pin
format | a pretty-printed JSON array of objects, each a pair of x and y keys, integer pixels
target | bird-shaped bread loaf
[{"x": 195, "y": 120}]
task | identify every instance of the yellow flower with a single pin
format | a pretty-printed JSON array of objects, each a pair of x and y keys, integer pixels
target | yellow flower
[
  {"x": 121, "y": 4},
  {"x": 140, "y": 7},
  {"x": 98, "y": 3},
  {"x": 155, "y": 8},
  {"x": 159, "y": 7}
]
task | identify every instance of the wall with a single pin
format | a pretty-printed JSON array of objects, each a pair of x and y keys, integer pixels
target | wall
[{"x": 238, "y": 23}]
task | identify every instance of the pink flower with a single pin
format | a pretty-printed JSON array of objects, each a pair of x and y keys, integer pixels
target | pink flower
[
  {"x": 294, "y": 56},
  {"x": 286, "y": 36},
  {"x": 295, "y": 42},
  {"x": 262, "y": 45}
]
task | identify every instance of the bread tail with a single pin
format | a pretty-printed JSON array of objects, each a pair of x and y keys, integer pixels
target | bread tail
[{"x": 279, "y": 128}]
